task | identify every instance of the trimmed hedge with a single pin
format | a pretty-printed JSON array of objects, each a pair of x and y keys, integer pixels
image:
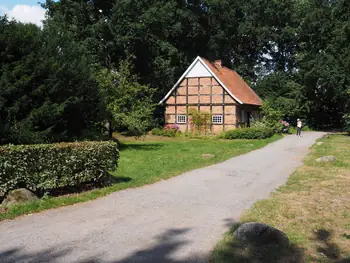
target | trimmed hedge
[
  {"x": 247, "y": 133},
  {"x": 46, "y": 167}
]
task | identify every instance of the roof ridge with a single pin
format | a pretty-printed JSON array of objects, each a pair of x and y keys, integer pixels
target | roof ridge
[
  {"x": 237, "y": 86},
  {"x": 229, "y": 79}
]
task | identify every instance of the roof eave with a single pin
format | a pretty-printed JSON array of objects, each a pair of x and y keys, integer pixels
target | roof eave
[
  {"x": 253, "y": 104},
  {"x": 179, "y": 80}
]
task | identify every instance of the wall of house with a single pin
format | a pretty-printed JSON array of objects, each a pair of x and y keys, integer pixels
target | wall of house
[
  {"x": 242, "y": 114},
  {"x": 206, "y": 95}
]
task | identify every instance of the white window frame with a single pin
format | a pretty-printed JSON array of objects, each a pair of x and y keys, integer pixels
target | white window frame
[
  {"x": 181, "y": 119},
  {"x": 214, "y": 117}
]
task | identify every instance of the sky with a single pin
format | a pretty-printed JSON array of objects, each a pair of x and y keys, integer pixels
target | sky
[{"x": 26, "y": 11}]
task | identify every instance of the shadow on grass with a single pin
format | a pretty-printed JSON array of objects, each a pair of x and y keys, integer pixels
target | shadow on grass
[
  {"x": 167, "y": 244},
  {"x": 328, "y": 248},
  {"x": 232, "y": 250},
  {"x": 140, "y": 146},
  {"x": 235, "y": 251},
  {"x": 87, "y": 187},
  {"x": 119, "y": 179},
  {"x": 171, "y": 242}
]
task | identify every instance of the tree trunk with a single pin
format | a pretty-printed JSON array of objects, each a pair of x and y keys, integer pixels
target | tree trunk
[{"x": 110, "y": 129}]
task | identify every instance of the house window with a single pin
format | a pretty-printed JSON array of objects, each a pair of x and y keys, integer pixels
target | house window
[
  {"x": 242, "y": 116},
  {"x": 217, "y": 119},
  {"x": 181, "y": 119}
]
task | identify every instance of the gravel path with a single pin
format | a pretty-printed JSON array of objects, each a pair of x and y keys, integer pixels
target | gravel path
[{"x": 177, "y": 220}]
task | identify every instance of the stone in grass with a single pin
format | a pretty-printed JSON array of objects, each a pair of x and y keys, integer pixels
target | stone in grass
[
  {"x": 3, "y": 209},
  {"x": 260, "y": 234},
  {"x": 326, "y": 159},
  {"x": 208, "y": 155},
  {"x": 19, "y": 196},
  {"x": 319, "y": 143}
]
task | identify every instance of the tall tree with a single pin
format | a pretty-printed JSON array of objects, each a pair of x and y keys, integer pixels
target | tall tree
[
  {"x": 48, "y": 92},
  {"x": 128, "y": 104},
  {"x": 323, "y": 60},
  {"x": 163, "y": 37},
  {"x": 293, "y": 52},
  {"x": 20, "y": 45}
]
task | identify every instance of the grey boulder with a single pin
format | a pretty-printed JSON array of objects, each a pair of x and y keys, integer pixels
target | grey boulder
[
  {"x": 260, "y": 234},
  {"x": 19, "y": 196},
  {"x": 326, "y": 159}
]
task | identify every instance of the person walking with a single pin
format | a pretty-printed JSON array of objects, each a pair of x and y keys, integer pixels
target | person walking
[{"x": 299, "y": 126}]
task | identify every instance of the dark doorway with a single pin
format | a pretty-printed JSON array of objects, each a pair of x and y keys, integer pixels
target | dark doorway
[{"x": 248, "y": 119}]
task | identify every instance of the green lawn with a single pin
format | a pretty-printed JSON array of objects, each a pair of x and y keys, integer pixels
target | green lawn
[
  {"x": 313, "y": 209},
  {"x": 146, "y": 162}
]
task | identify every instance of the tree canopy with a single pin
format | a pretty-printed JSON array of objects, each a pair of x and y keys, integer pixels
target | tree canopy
[{"x": 54, "y": 80}]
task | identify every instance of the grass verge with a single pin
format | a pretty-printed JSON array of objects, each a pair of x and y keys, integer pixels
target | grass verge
[
  {"x": 146, "y": 162},
  {"x": 313, "y": 209}
]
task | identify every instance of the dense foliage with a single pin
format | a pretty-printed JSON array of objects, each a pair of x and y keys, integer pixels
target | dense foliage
[
  {"x": 69, "y": 78},
  {"x": 170, "y": 130},
  {"x": 128, "y": 105},
  {"x": 347, "y": 123},
  {"x": 45, "y": 167},
  {"x": 46, "y": 85},
  {"x": 247, "y": 133}
]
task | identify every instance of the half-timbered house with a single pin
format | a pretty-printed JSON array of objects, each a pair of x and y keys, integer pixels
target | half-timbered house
[{"x": 210, "y": 87}]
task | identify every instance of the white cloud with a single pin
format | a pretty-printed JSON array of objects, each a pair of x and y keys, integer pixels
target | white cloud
[
  {"x": 25, "y": 13},
  {"x": 3, "y": 10}
]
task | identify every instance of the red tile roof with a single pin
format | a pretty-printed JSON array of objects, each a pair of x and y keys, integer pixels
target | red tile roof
[{"x": 234, "y": 83}]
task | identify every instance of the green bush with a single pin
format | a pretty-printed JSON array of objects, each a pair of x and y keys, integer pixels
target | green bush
[
  {"x": 272, "y": 117},
  {"x": 247, "y": 133},
  {"x": 45, "y": 167},
  {"x": 157, "y": 132},
  {"x": 169, "y": 132},
  {"x": 293, "y": 130}
]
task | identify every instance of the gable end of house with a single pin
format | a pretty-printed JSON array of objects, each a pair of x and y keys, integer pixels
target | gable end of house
[{"x": 198, "y": 69}]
